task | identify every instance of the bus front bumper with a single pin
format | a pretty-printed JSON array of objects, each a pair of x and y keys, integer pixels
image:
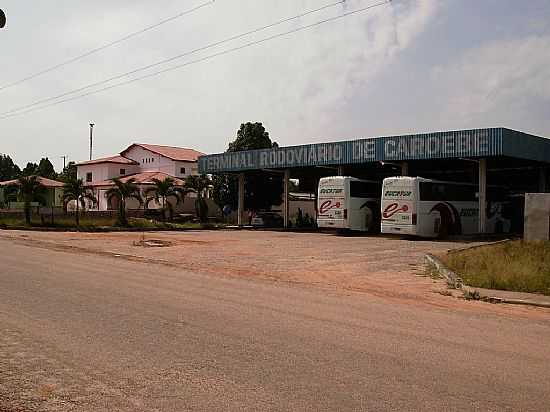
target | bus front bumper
[{"x": 398, "y": 229}]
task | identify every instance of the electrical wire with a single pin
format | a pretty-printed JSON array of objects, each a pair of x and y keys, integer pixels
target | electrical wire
[
  {"x": 209, "y": 57},
  {"x": 107, "y": 45},
  {"x": 176, "y": 57}
]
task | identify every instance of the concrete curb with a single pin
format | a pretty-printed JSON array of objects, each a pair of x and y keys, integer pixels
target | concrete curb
[{"x": 454, "y": 281}]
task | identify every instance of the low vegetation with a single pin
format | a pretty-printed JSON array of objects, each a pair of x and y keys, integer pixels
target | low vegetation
[
  {"x": 516, "y": 266},
  {"x": 97, "y": 223}
]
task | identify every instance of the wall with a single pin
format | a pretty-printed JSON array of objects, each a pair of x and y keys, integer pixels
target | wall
[
  {"x": 149, "y": 161},
  {"x": 191, "y": 168},
  {"x": 537, "y": 216},
  {"x": 105, "y": 171}
]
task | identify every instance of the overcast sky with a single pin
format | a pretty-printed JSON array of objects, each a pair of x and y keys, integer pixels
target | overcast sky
[{"x": 410, "y": 66}]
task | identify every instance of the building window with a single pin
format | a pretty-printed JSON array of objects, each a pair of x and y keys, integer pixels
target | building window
[
  {"x": 182, "y": 170},
  {"x": 89, "y": 177},
  {"x": 122, "y": 172}
]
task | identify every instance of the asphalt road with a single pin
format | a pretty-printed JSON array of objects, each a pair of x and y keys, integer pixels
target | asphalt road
[{"x": 97, "y": 333}]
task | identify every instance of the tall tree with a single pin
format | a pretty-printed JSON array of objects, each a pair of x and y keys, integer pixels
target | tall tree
[
  {"x": 163, "y": 191},
  {"x": 124, "y": 191},
  {"x": 30, "y": 170},
  {"x": 200, "y": 185},
  {"x": 8, "y": 169},
  {"x": 76, "y": 190},
  {"x": 69, "y": 172},
  {"x": 28, "y": 189},
  {"x": 261, "y": 190},
  {"x": 45, "y": 169}
]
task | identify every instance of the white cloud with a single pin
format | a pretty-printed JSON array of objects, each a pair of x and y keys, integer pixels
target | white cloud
[{"x": 497, "y": 81}]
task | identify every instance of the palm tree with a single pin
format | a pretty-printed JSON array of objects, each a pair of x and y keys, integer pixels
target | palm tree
[
  {"x": 74, "y": 189},
  {"x": 28, "y": 189},
  {"x": 199, "y": 185},
  {"x": 163, "y": 190},
  {"x": 124, "y": 191}
]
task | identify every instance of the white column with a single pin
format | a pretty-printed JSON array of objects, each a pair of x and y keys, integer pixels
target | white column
[
  {"x": 340, "y": 170},
  {"x": 405, "y": 169},
  {"x": 285, "y": 197},
  {"x": 240, "y": 208},
  {"x": 482, "y": 195}
]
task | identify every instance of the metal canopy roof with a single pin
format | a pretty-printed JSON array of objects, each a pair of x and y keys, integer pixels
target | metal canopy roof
[{"x": 438, "y": 145}]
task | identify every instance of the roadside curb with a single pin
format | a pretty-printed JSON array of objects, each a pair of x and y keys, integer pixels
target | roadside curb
[
  {"x": 455, "y": 281},
  {"x": 103, "y": 229}
]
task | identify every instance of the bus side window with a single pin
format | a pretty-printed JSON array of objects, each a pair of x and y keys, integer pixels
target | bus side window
[{"x": 364, "y": 189}]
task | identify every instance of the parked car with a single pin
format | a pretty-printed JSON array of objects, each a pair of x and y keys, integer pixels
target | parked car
[{"x": 267, "y": 219}]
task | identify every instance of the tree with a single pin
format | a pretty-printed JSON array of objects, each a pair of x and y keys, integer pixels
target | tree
[
  {"x": 45, "y": 169},
  {"x": 8, "y": 169},
  {"x": 200, "y": 186},
  {"x": 69, "y": 172},
  {"x": 30, "y": 170},
  {"x": 124, "y": 191},
  {"x": 163, "y": 190},
  {"x": 76, "y": 190},
  {"x": 261, "y": 190},
  {"x": 28, "y": 189}
]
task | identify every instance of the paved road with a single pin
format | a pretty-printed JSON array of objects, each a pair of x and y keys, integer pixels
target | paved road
[{"x": 97, "y": 333}]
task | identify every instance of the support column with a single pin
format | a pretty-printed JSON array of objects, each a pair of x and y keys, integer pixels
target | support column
[
  {"x": 482, "y": 174},
  {"x": 405, "y": 169},
  {"x": 340, "y": 170},
  {"x": 240, "y": 208},
  {"x": 542, "y": 180},
  {"x": 286, "y": 185}
]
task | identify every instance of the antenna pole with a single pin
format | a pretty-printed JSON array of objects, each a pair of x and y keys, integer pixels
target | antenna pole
[{"x": 91, "y": 139}]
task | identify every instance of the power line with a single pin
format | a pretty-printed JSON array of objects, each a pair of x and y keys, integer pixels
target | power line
[
  {"x": 107, "y": 45},
  {"x": 176, "y": 57},
  {"x": 209, "y": 57}
]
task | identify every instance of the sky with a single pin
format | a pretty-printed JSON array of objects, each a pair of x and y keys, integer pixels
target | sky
[{"x": 404, "y": 67}]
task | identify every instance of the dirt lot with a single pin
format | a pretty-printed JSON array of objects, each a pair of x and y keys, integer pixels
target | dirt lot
[{"x": 386, "y": 267}]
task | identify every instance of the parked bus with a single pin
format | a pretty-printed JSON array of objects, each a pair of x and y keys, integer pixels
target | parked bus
[
  {"x": 433, "y": 208},
  {"x": 348, "y": 203}
]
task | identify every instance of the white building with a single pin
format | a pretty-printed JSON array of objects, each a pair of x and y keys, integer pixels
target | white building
[{"x": 143, "y": 162}]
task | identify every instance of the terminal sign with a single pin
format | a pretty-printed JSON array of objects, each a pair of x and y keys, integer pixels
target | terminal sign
[{"x": 437, "y": 145}]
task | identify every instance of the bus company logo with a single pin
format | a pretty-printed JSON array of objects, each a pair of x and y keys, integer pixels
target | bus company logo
[
  {"x": 392, "y": 209},
  {"x": 398, "y": 193},
  {"x": 327, "y": 205},
  {"x": 325, "y": 191}
]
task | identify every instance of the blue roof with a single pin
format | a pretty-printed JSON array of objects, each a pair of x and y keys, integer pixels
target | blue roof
[{"x": 490, "y": 142}]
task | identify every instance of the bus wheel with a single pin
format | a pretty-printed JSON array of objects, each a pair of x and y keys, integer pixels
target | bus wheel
[{"x": 444, "y": 229}]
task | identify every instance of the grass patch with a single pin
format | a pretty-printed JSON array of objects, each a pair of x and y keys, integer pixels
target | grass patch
[
  {"x": 90, "y": 223},
  {"x": 515, "y": 266}
]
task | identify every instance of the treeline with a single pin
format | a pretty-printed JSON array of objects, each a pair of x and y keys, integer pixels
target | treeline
[{"x": 9, "y": 170}]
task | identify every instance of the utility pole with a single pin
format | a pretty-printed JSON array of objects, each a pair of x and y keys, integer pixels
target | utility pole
[
  {"x": 91, "y": 138},
  {"x": 64, "y": 161}
]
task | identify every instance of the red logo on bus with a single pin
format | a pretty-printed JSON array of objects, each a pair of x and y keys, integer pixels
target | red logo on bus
[
  {"x": 327, "y": 205},
  {"x": 392, "y": 209}
]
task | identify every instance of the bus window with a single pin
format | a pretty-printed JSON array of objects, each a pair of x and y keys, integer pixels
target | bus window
[
  {"x": 435, "y": 191},
  {"x": 364, "y": 189}
]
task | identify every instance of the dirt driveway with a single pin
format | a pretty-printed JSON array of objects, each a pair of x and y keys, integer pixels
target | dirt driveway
[{"x": 386, "y": 267}]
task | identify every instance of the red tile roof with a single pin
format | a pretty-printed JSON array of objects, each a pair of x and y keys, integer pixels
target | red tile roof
[
  {"x": 145, "y": 178},
  {"x": 44, "y": 181},
  {"x": 174, "y": 153},
  {"x": 112, "y": 159}
]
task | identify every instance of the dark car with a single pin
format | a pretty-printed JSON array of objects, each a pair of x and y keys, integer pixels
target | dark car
[{"x": 267, "y": 219}]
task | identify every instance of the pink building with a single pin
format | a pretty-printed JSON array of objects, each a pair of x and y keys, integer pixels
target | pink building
[{"x": 143, "y": 162}]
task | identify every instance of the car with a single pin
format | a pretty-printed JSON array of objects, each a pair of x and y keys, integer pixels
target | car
[{"x": 267, "y": 219}]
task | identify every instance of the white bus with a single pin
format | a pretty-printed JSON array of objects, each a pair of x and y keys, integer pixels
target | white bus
[
  {"x": 348, "y": 203},
  {"x": 433, "y": 208}
]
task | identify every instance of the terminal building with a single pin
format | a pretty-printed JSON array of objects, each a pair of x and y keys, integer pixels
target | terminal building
[{"x": 492, "y": 156}]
